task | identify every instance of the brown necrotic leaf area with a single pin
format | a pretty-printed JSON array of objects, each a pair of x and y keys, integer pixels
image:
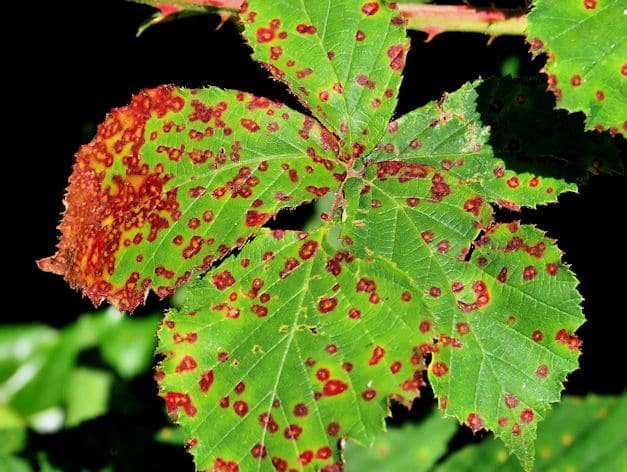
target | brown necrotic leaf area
[
  {"x": 176, "y": 180},
  {"x": 96, "y": 218}
]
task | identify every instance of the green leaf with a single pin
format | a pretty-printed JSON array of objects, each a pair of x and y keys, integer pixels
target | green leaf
[
  {"x": 346, "y": 68},
  {"x": 14, "y": 464},
  {"x": 506, "y": 306},
  {"x": 587, "y": 57},
  {"x": 44, "y": 360},
  {"x": 87, "y": 395},
  {"x": 414, "y": 447},
  {"x": 12, "y": 440},
  {"x": 452, "y": 137},
  {"x": 579, "y": 434},
  {"x": 176, "y": 180},
  {"x": 294, "y": 344},
  {"x": 129, "y": 345}
]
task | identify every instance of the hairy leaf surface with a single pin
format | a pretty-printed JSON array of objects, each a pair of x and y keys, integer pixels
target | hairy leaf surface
[{"x": 586, "y": 43}]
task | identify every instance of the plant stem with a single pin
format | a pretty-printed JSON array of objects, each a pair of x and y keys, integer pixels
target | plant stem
[
  {"x": 430, "y": 19},
  {"x": 436, "y": 19}
]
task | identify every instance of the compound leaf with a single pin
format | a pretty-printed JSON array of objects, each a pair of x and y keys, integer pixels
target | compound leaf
[
  {"x": 586, "y": 45},
  {"x": 175, "y": 181},
  {"x": 281, "y": 352},
  {"x": 346, "y": 68}
]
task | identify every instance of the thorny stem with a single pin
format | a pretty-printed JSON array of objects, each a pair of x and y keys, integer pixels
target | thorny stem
[
  {"x": 430, "y": 19},
  {"x": 436, "y": 19}
]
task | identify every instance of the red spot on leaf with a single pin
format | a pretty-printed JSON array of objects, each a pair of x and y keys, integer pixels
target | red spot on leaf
[
  {"x": 334, "y": 387},
  {"x": 265, "y": 35},
  {"x": 570, "y": 340},
  {"x": 370, "y": 8},
  {"x": 377, "y": 355},
  {"x": 542, "y": 371},
  {"x": 529, "y": 273},
  {"x": 255, "y": 218},
  {"x": 462, "y": 328},
  {"x": 325, "y": 305},
  {"x": 526, "y": 416},
  {"x": 439, "y": 369},
  {"x": 240, "y": 408},
  {"x": 306, "y": 29},
  {"x": 206, "y": 381},
  {"x": 511, "y": 401},
  {"x": 475, "y": 422},
  {"x": 590, "y": 4},
  {"x": 502, "y": 277},
  {"x": 513, "y": 182},
  {"x": 396, "y": 54},
  {"x": 473, "y": 205},
  {"x": 306, "y": 457},
  {"x": 187, "y": 363},
  {"x": 176, "y": 400},
  {"x": 293, "y": 431},
  {"x": 516, "y": 429},
  {"x": 223, "y": 280},
  {"x": 259, "y": 451}
]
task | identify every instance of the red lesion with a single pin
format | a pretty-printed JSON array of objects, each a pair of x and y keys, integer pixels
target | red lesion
[{"x": 176, "y": 400}]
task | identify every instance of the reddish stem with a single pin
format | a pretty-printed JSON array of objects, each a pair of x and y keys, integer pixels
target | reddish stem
[{"x": 431, "y": 19}]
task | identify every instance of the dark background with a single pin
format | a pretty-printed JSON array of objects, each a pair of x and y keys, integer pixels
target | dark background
[{"x": 75, "y": 62}]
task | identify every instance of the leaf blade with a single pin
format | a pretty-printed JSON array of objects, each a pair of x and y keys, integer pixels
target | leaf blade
[
  {"x": 587, "y": 54},
  {"x": 304, "y": 44},
  {"x": 314, "y": 367},
  {"x": 147, "y": 197}
]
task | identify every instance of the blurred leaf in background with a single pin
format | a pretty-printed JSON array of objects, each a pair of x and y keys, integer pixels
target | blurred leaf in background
[
  {"x": 42, "y": 385},
  {"x": 414, "y": 447},
  {"x": 580, "y": 434}
]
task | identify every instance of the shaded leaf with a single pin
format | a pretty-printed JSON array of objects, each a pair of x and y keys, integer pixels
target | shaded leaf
[
  {"x": 530, "y": 136},
  {"x": 579, "y": 434},
  {"x": 45, "y": 368},
  {"x": 289, "y": 347},
  {"x": 87, "y": 395},
  {"x": 414, "y": 447},
  {"x": 129, "y": 345},
  {"x": 346, "y": 68},
  {"x": 587, "y": 57},
  {"x": 175, "y": 181},
  {"x": 14, "y": 464}
]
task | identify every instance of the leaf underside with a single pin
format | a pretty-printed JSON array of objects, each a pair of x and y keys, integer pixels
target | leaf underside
[
  {"x": 586, "y": 45},
  {"x": 301, "y": 339}
]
